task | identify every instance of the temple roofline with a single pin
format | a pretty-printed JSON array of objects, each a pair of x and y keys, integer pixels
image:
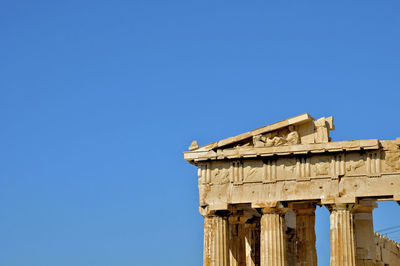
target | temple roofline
[
  {"x": 246, "y": 152},
  {"x": 296, "y": 120}
]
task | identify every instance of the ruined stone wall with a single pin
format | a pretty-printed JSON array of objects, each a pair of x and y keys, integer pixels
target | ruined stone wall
[{"x": 387, "y": 251}]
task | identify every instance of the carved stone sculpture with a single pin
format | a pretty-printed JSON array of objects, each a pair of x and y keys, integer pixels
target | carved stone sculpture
[
  {"x": 293, "y": 137},
  {"x": 258, "y": 141},
  {"x": 323, "y": 125},
  {"x": 272, "y": 139}
]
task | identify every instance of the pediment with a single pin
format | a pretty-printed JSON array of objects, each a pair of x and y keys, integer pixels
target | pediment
[{"x": 301, "y": 129}]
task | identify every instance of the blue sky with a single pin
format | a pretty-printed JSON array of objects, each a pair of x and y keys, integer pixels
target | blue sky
[{"x": 100, "y": 98}]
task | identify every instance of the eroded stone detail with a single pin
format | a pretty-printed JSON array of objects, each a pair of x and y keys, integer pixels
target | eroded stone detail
[
  {"x": 215, "y": 241},
  {"x": 387, "y": 251},
  {"x": 323, "y": 126},
  {"x": 220, "y": 175},
  {"x": 193, "y": 146},
  {"x": 320, "y": 166},
  {"x": 253, "y": 170},
  {"x": 287, "y": 136},
  {"x": 392, "y": 161},
  {"x": 204, "y": 173},
  {"x": 355, "y": 164}
]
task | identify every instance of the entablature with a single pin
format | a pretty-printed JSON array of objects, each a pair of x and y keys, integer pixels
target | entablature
[
  {"x": 264, "y": 166},
  {"x": 252, "y": 152}
]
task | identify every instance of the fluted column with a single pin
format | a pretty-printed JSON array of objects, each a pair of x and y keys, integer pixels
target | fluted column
[
  {"x": 252, "y": 243},
  {"x": 237, "y": 235},
  {"x": 305, "y": 234},
  {"x": 215, "y": 241},
  {"x": 364, "y": 233},
  {"x": 272, "y": 238},
  {"x": 342, "y": 235}
]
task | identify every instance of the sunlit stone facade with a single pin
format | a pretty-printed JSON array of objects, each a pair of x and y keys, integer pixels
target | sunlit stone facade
[{"x": 258, "y": 193}]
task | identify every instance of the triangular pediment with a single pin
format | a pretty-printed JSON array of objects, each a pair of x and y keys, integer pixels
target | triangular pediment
[{"x": 301, "y": 129}]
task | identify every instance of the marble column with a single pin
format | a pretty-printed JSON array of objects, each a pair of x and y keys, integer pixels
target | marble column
[
  {"x": 272, "y": 237},
  {"x": 252, "y": 243},
  {"x": 364, "y": 233},
  {"x": 305, "y": 234},
  {"x": 342, "y": 235},
  {"x": 237, "y": 243},
  {"x": 215, "y": 241}
]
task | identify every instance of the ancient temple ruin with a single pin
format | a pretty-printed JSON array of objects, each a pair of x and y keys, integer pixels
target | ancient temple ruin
[{"x": 258, "y": 193}]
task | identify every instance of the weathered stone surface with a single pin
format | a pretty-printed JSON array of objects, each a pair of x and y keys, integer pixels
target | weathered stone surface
[
  {"x": 252, "y": 243},
  {"x": 387, "y": 251},
  {"x": 289, "y": 165},
  {"x": 237, "y": 240},
  {"x": 273, "y": 240},
  {"x": 364, "y": 232},
  {"x": 215, "y": 241},
  {"x": 305, "y": 234},
  {"x": 342, "y": 235}
]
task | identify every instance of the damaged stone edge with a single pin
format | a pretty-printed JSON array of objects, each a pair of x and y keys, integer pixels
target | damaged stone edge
[{"x": 246, "y": 152}]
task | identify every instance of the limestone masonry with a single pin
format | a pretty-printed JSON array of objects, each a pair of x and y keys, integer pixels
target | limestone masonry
[{"x": 258, "y": 193}]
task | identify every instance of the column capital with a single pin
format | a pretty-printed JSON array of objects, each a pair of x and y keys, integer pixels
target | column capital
[
  {"x": 341, "y": 207},
  {"x": 206, "y": 212},
  {"x": 274, "y": 210}
]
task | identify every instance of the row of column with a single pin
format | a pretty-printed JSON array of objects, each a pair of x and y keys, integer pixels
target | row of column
[{"x": 240, "y": 240}]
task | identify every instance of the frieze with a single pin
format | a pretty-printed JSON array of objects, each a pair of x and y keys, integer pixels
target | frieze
[
  {"x": 302, "y": 167},
  {"x": 253, "y": 170},
  {"x": 220, "y": 174},
  {"x": 320, "y": 166},
  {"x": 392, "y": 161}
]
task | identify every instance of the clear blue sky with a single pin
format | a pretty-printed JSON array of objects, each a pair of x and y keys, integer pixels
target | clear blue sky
[{"x": 100, "y": 98}]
